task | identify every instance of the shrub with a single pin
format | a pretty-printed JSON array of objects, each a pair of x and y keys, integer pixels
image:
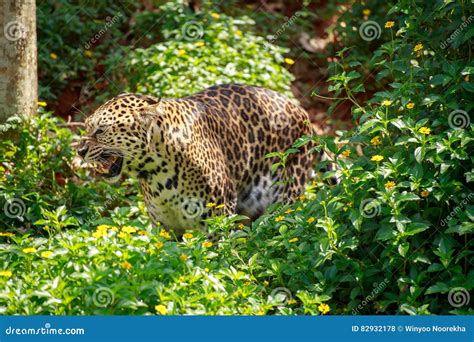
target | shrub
[
  {"x": 204, "y": 49},
  {"x": 403, "y": 206},
  {"x": 96, "y": 29}
]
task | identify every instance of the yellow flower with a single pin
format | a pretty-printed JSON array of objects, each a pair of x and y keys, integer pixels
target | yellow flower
[
  {"x": 129, "y": 229},
  {"x": 366, "y": 12},
  {"x": 6, "y": 234},
  {"x": 279, "y": 218},
  {"x": 377, "y": 158},
  {"x": 46, "y": 254},
  {"x": 376, "y": 141},
  {"x": 386, "y": 103},
  {"x": 425, "y": 193},
  {"x": 220, "y": 206},
  {"x": 6, "y": 274},
  {"x": 302, "y": 197},
  {"x": 161, "y": 309},
  {"x": 52, "y": 55},
  {"x": 210, "y": 205},
  {"x": 102, "y": 227},
  {"x": 289, "y": 61},
  {"x": 424, "y": 130},
  {"x": 88, "y": 53},
  {"x": 418, "y": 47},
  {"x": 215, "y": 15},
  {"x": 346, "y": 153},
  {"x": 188, "y": 236},
  {"x": 292, "y": 301},
  {"x": 99, "y": 234},
  {"x": 310, "y": 220},
  {"x": 410, "y": 105},
  {"x": 199, "y": 44},
  {"x": 165, "y": 234},
  {"x": 142, "y": 232},
  {"x": 293, "y": 240},
  {"x": 350, "y": 204},
  {"x": 289, "y": 211},
  {"x": 123, "y": 235},
  {"x": 324, "y": 308},
  {"x": 29, "y": 250},
  {"x": 181, "y": 52},
  {"x": 207, "y": 244},
  {"x": 389, "y": 24},
  {"x": 42, "y": 104},
  {"x": 241, "y": 226},
  {"x": 206, "y": 270},
  {"x": 389, "y": 185},
  {"x": 159, "y": 244},
  {"x": 238, "y": 32},
  {"x": 126, "y": 265},
  {"x": 183, "y": 257}
]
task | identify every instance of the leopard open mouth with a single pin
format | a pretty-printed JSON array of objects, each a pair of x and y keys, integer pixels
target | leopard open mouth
[{"x": 110, "y": 165}]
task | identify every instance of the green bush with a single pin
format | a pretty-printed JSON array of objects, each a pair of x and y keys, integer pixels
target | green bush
[
  {"x": 404, "y": 202},
  {"x": 201, "y": 50},
  {"x": 95, "y": 31}
]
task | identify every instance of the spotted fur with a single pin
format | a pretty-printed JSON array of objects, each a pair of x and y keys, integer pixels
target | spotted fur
[{"x": 205, "y": 149}]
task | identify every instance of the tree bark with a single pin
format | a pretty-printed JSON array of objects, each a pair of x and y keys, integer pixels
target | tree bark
[{"x": 18, "y": 58}]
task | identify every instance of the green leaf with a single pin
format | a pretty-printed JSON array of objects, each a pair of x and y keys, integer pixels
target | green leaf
[
  {"x": 420, "y": 154},
  {"x": 437, "y": 288},
  {"x": 415, "y": 228},
  {"x": 407, "y": 197},
  {"x": 468, "y": 86}
]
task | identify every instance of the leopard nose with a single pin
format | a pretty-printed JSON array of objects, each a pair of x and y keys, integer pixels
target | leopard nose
[{"x": 82, "y": 151}]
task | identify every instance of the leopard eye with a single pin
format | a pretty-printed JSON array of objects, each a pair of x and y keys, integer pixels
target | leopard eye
[{"x": 99, "y": 131}]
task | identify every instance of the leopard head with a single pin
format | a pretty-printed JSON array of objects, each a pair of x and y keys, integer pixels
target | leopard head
[{"x": 116, "y": 135}]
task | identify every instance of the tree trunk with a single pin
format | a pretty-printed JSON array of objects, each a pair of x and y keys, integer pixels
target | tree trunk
[{"x": 18, "y": 65}]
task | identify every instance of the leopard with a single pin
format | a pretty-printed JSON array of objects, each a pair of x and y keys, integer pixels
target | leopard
[{"x": 219, "y": 151}]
